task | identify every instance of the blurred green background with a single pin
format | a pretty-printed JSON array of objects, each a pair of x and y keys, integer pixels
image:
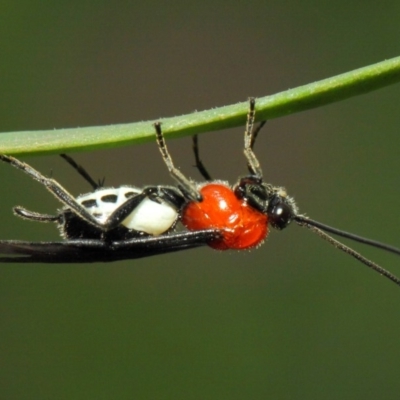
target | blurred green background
[{"x": 295, "y": 319}]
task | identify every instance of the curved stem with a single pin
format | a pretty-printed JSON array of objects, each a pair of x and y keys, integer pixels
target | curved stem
[{"x": 305, "y": 97}]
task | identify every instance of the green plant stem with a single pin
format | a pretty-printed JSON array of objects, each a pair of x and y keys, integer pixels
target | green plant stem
[{"x": 313, "y": 95}]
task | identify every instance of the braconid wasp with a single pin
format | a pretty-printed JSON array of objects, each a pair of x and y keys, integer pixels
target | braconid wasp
[{"x": 111, "y": 224}]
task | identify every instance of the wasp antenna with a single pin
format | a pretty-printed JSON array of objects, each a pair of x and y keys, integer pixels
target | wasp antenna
[
  {"x": 82, "y": 172},
  {"x": 302, "y": 221},
  {"x": 370, "y": 242}
]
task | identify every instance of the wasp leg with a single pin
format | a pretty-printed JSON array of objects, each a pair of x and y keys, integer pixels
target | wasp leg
[
  {"x": 252, "y": 161},
  {"x": 256, "y": 132},
  {"x": 53, "y": 187},
  {"x": 34, "y": 216},
  {"x": 199, "y": 164},
  {"x": 82, "y": 172},
  {"x": 126, "y": 208},
  {"x": 187, "y": 187},
  {"x": 157, "y": 194}
]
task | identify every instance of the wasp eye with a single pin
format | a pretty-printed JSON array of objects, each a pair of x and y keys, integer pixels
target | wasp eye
[{"x": 280, "y": 214}]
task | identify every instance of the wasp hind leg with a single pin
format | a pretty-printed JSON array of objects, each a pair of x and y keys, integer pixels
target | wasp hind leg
[
  {"x": 53, "y": 187},
  {"x": 34, "y": 216}
]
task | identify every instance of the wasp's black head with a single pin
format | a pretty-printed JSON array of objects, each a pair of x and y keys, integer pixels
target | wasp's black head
[
  {"x": 267, "y": 199},
  {"x": 281, "y": 210}
]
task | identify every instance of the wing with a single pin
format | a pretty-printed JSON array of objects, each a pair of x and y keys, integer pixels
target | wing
[{"x": 89, "y": 251}]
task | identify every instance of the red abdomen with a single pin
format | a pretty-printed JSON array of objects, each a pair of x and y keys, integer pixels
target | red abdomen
[{"x": 242, "y": 226}]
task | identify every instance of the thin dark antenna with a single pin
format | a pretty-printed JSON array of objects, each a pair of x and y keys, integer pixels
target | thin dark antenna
[
  {"x": 315, "y": 227},
  {"x": 82, "y": 172},
  {"x": 370, "y": 242}
]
